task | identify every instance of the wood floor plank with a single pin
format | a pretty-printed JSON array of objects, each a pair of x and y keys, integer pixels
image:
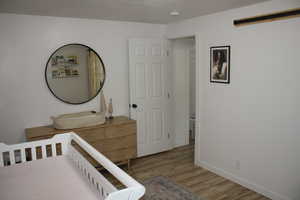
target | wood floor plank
[{"x": 178, "y": 165}]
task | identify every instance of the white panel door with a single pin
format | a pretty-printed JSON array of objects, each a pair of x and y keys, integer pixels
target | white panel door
[{"x": 149, "y": 73}]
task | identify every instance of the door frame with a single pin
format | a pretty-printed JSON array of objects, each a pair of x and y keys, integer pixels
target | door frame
[
  {"x": 198, "y": 92},
  {"x": 181, "y": 57}
]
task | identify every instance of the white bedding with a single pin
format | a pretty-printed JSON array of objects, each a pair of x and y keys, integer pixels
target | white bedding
[{"x": 54, "y": 178}]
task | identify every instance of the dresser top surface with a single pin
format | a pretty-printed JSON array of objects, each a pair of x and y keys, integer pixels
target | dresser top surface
[{"x": 50, "y": 130}]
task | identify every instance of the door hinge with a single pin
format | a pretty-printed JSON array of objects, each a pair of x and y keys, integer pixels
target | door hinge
[
  {"x": 168, "y": 53},
  {"x": 168, "y": 95},
  {"x": 168, "y": 135}
]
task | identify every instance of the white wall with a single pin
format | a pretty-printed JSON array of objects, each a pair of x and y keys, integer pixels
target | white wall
[
  {"x": 28, "y": 41},
  {"x": 256, "y": 118}
]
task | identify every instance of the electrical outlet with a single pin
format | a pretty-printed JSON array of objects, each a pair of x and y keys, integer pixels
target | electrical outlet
[{"x": 237, "y": 165}]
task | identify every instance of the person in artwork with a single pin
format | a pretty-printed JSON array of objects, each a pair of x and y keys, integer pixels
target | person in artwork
[{"x": 220, "y": 65}]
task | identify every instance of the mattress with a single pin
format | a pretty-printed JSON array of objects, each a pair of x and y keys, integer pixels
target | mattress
[{"x": 54, "y": 178}]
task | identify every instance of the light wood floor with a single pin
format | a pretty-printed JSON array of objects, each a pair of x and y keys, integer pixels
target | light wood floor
[{"x": 178, "y": 165}]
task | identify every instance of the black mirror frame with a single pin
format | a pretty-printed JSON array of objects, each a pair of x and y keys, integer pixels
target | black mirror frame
[{"x": 90, "y": 99}]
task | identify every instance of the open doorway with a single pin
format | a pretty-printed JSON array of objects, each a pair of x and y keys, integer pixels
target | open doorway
[{"x": 184, "y": 90}]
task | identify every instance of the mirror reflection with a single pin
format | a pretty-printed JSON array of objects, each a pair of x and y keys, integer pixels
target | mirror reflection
[{"x": 75, "y": 73}]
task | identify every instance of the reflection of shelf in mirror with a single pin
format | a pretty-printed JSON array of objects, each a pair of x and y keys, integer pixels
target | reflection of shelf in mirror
[
  {"x": 65, "y": 64},
  {"x": 70, "y": 60},
  {"x": 73, "y": 76},
  {"x": 64, "y": 72}
]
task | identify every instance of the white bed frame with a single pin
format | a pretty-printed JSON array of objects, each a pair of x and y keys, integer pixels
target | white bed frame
[{"x": 98, "y": 182}]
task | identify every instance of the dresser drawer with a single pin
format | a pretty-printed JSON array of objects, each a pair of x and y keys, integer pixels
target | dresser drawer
[
  {"x": 121, "y": 155},
  {"x": 120, "y": 130},
  {"x": 92, "y": 135},
  {"x": 40, "y": 138},
  {"x": 115, "y": 143}
]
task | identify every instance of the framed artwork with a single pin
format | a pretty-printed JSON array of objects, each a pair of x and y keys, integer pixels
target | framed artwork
[{"x": 220, "y": 64}]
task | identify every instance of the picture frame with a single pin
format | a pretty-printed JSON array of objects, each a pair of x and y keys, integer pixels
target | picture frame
[{"x": 220, "y": 64}]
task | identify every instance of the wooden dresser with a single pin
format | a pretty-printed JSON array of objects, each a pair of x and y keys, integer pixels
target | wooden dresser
[{"x": 116, "y": 139}]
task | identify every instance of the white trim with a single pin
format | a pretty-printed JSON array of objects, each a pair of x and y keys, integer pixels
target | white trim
[
  {"x": 184, "y": 141},
  {"x": 187, "y": 87},
  {"x": 246, "y": 183},
  {"x": 198, "y": 99},
  {"x": 197, "y": 119}
]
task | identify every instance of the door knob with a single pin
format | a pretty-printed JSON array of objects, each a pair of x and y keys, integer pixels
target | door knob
[{"x": 134, "y": 106}]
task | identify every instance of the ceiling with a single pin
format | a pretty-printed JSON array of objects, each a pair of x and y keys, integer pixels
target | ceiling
[{"x": 150, "y": 11}]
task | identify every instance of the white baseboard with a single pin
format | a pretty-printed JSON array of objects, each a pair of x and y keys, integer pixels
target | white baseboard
[{"x": 252, "y": 186}]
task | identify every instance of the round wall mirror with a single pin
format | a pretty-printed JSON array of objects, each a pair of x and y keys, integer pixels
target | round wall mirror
[{"x": 75, "y": 73}]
